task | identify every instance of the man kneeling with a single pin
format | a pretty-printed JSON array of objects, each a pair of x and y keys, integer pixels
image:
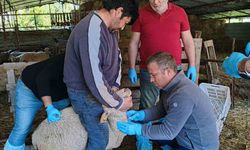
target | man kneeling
[{"x": 185, "y": 114}]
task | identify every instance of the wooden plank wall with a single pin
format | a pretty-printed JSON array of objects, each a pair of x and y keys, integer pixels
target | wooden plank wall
[
  {"x": 239, "y": 31},
  {"x": 32, "y": 40},
  {"x": 17, "y": 67}
]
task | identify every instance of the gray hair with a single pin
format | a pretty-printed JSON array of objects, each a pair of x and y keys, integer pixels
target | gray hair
[{"x": 163, "y": 60}]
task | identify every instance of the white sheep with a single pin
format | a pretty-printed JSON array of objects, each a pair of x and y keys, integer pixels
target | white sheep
[
  {"x": 28, "y": 56},
  {"x": 69, "y": 134}
]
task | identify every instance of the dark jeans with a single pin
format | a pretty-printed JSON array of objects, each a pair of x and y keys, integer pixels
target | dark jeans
[
  {"x": 169, "y": 145},
  {"x": 89, "y": 111},
  {"x": 149, "y": 92}
]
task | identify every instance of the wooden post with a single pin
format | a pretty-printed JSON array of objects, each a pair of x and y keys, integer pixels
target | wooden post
[
  {"x": 76, "y": 15},
  {"x": 233, "y": 44},
  {"x": 11, "y": 80},
  {"x": 198, "y": 34},
  {"x": 51, "y": 18},
  {"x": 3, "y": 26},
  {"x": 213, "y": 66},
  {"x": 233, "y": 83},
  {"x": 35, "y": 19},
  {"x": 63, "y": 16},
  {"x": 17, "y": 31}
]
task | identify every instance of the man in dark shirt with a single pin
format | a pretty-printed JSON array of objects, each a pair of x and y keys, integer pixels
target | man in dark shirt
[{"x": 40, "y": 84}]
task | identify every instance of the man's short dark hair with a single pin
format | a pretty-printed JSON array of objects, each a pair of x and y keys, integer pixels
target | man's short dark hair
[
  {"x": 163, "y": 60},
  {"x": 130, "y": 7}
]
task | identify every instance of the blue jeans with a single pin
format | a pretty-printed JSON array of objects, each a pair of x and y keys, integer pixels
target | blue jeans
[
  {"x": 149, "y": 92},
  {"x": 27, "y": 105},
  {"x": 169, "y": 145},
  {"x": 90, "y": 111}
]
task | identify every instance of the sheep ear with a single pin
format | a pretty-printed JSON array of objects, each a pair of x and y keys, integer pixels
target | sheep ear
[
  {"x": 124, "y": 92},
  {"x": 121, "y": 93},
  {"x": 128, "y": 92},
  {"x": 104, "y": 117}
]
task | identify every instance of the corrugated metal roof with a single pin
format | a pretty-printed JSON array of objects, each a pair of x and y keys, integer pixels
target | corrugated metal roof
[
  {"x": 204, "y": 8},
  {"x": 216, "y": 8},
  {"x": 228, "y": 14}
]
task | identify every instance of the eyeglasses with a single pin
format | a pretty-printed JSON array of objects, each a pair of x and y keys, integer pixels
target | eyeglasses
[{"x": 158, "y": 72}]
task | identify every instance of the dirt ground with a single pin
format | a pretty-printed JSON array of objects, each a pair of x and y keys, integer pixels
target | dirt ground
[{"x": 234, "y": 136}]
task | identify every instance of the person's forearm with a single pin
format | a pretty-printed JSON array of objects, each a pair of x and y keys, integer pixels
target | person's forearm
[
  {"x": 189, "y": 47},
  {"x": 244, "y": 66},
  {"x": 46, "y": 100},
  {"x": 247, "y": 66},
  {"x": 132, "y": 53},
  {"x": 190, "y": 51},
  {"x": 133, "y": 49}
]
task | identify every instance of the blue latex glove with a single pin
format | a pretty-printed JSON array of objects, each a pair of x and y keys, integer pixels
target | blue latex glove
[
  {"x": 247, "y": 49},
  {"x": 53, "y": 114},
  {"x": 230, "y": 64},
  {"x": 135, "y": 115},
  {"x": 132, "y": 75},
  {"x": 129, "y": 128},
  {"x": 191, "y": 74}
]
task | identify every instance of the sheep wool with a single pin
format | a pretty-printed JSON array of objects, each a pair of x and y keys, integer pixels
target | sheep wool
[{"x": 69, "y": 134}]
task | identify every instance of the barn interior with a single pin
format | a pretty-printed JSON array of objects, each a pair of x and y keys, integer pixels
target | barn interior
[{"x": 42, "y": 28}]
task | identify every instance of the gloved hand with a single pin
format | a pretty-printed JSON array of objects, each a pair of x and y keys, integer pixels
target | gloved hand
[
  {"x": 191, "y": 74},
  {"x": 247, "y": 49},
  {"x": 135, "y": 115},
  {"x": 132, "y": 75},
  {"x": 53, "y": 114},
  {"x": 129, "y": 128},
  {"x": 230, "y": 64}
]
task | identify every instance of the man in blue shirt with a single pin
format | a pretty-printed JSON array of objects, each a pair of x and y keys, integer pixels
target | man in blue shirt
[{"x": 187, "y": 118}]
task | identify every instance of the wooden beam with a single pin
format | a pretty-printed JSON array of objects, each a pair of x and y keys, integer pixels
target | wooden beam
[
  {"x": 3, "y": 27},
  {"x": 10, "y": 6},
  {"x": 17, "y": 32},
  {"x": 227, "y": 17},
  {"x": 215, "y": 4},
  {"x": 243, "y": 12},
  {"x": 26, "y": 4},
  {"x": 218, "y": 7}
]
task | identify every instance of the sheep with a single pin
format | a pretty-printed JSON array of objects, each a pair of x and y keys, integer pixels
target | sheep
[
  {"x": 33, "y": 56},
  {"x": 28, "y": 56},
  {"x": 69, "y": 134}
]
